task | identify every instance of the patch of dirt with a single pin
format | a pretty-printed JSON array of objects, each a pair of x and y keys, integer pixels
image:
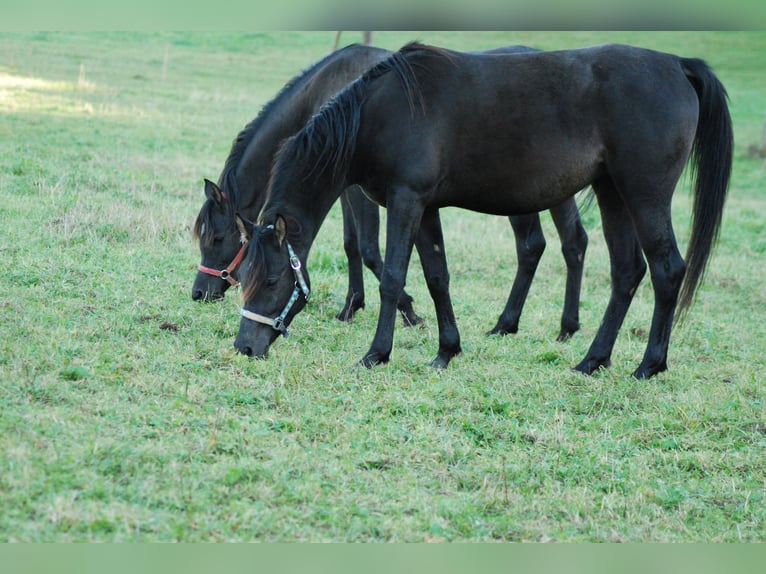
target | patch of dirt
[{"x": 168, "y": 326}]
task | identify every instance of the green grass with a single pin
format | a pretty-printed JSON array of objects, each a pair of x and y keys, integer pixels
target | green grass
[{"x": 126, "y": 415}]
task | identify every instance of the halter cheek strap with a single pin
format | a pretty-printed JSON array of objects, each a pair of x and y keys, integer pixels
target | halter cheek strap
[{"x": 278, "y": 323}]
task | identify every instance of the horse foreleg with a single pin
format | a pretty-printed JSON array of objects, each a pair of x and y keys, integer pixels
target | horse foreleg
[
  {"x": 355, "y": 292},
  {"x": 627, "y": 270},
  {"x": 404, "y": 214},
  {"x": 430, "y": 244},
  {"x": 366, "y": 216},
  {"x": 574, "y": 242},
  {"x": 530, "y": 244}
]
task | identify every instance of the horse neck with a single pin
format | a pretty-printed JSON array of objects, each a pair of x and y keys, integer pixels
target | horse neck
[{"x": 309, "y": 205}]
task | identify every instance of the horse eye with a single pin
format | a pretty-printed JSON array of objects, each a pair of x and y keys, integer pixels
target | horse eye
[
  {"x": 216, "y": 236},
  {"x": 271, "y": 281}
]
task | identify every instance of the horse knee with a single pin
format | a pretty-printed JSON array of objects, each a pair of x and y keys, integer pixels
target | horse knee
[
  {"x": 676, "y": 269},
  {"x": 639, "y": 271},
  {"x": 391, "y": 285},
  {"x": 626, "y": 279}
]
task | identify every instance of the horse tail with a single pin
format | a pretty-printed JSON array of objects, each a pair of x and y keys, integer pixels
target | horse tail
[{"x": 711, "y": 161}]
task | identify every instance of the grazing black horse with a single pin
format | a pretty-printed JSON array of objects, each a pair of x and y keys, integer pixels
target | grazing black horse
[
  {"x": 428, "y": 128},
  {"x": 242, "y": 190}
]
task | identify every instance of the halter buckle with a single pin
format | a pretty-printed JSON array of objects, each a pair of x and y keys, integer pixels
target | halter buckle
[{"x": 279, "y": 325}]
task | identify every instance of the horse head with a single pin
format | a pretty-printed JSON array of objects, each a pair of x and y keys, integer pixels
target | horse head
[
  {"x": 275, "y": 287},
  {"x": 222, "y": 246}
]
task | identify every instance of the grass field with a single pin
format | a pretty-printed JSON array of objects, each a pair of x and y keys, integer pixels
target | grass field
[{"x": 126, "y": 415}]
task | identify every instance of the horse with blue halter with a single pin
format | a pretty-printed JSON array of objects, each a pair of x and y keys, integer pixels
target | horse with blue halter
[
  {"x": 503, "y": 134},
  {"x": 241, "y": 191}
]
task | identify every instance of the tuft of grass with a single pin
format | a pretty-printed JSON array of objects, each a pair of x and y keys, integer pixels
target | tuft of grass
[{"x": 75, "y": 373}]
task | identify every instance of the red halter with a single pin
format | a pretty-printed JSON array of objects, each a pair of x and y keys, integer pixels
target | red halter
[{"x": 225, "y": 274}]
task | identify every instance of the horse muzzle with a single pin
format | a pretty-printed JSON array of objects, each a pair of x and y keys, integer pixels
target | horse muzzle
[
  {"x": 207, "y": 288},
  {"x": 254, "y": 340}
]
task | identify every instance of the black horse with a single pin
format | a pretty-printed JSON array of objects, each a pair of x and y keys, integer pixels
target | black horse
[
  {"x": 241, "y": 189},
  {"x": 428, "y": 128}
]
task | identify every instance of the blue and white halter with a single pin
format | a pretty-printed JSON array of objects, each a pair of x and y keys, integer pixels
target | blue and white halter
[{"x": 278, "y": 323}]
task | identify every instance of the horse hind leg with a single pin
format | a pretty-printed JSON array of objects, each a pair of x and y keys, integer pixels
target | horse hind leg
[
  {"x": 627, "y": 268},
  {"x": 530, "y": 245},
  {"x": 648, "y": 197},
  {"x": 574, "y": 242},
  {"x": 666, "y": 269}
]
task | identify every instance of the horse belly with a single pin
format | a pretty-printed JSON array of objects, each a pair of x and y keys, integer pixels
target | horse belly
[
  {"x": 522, "y": 189},
  {"x": 497, "y": 202}
]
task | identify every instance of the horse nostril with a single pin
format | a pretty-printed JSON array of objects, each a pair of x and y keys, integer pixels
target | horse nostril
[
  {"x": 197, "y": 294},
  {"x": 247, "y": 351}
]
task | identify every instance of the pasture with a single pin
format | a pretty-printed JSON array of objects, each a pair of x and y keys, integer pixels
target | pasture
[{"x": 127, "y": 415}]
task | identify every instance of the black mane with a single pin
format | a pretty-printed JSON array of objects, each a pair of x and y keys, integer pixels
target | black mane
[{"x": 327, "y": 142}]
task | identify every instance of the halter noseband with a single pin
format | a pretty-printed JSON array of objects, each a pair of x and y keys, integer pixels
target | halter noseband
[{"x": 278, "y": 323}]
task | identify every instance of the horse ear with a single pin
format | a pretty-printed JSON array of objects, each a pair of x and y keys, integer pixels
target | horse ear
[
  {"x": 212, "y": 191},
  {"x": 280, "y": 228},
  {"x": 245, "y": 229}
]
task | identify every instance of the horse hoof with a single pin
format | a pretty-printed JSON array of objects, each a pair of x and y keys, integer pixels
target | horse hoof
[
  {"x": 566, "y": 334},
  {"x": 590, "y": 366},
  {"x": 345, "y": 316},
  {"x": 348, "y": 312},
  {"x": 502, "y": 330},
  {"x": 647, "y": 372},
  {"x": 440, "y": 362},
  {"x": 372, "y": 359},
  {"x": 443, "y": 358}
]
